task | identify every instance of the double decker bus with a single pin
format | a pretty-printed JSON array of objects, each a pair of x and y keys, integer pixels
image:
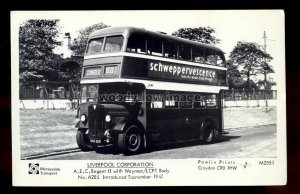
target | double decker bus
[{"x": 141, "y": 88}]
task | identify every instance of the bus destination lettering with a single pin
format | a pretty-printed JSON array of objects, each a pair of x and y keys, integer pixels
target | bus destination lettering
[{"x": 182, "y": 72}]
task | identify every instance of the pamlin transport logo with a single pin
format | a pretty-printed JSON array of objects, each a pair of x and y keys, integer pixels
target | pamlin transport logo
[{"x": 34, "y": 168}]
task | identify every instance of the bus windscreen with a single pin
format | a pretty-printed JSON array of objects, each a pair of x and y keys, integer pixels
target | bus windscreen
[{"x": 110, "y": 44}]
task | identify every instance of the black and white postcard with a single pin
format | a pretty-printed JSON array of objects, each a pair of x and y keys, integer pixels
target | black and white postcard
[{"x": 148, "y": 98}]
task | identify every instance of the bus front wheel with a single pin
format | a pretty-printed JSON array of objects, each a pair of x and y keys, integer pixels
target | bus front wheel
[
  {"x": 131, "y": 141},
  {"x": 208, "y": 132},
  {"x": 82, "y": 140}
]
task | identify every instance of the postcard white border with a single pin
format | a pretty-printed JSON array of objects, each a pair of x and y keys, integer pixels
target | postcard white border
[{"x": 182, "y": 171}]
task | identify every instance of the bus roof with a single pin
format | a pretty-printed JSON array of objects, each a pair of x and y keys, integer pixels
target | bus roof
[{"x": 130, "y": 30}]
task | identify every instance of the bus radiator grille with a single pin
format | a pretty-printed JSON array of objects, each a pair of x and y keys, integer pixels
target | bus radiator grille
[{"x": 96, "y": 121}]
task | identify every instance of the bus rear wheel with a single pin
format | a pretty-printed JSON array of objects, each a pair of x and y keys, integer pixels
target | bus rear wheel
[
  {"x": 83, "y": 140},
  {"x": 208, "y": 133},
  {"x": 130, "y": 142}
]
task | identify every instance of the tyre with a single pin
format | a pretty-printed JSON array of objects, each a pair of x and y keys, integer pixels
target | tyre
[
  {"x": 130, "y": 142},
  {"x": 208, "y": 133},
  {"x": 83, "y": 140}
]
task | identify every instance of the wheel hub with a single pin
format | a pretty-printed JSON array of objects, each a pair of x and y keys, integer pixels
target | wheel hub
[{"x": 133, "y": 139}]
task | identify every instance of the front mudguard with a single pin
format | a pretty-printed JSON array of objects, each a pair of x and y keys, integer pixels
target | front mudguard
[
  {"x": 79, "y": 124},
  {"x": 121, "y": 126}
]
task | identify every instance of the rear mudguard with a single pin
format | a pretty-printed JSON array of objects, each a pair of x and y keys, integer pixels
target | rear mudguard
[{"x": 211, "y": 120}]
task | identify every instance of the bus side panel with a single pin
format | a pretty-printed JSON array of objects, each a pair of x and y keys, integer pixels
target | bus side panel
[
  {"x": 166, "y": 125},
  {"x": 187, "y": 122},
  {"x": 198, "y": 115},
  {"x": 171, "y": 125},
  {"x": 173, "y": 121},
  {"x": 156, "y": 125},
  {"x": 142, "y": 116},
  {"x": 214, "y": 114}
]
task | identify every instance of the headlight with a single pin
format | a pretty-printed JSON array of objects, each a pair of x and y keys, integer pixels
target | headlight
[
  {"x": 108, "y": 118},
  {"x": 83, "y": 118}
]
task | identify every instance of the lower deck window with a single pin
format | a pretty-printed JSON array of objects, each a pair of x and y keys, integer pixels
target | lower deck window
[
  {"x": 156, "y": 104},
  {"x": 211, "y": 100},
  {"x": 189, "y": 101}
]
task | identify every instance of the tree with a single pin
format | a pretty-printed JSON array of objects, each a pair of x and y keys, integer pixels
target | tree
[
  {"x": 267, "y": 85},
  {"x": 250, "y": 58},
  {"x": 235, "y": 79},
  {"x": 79, "y": 44},
  {"x": 234, "y": 76},
  {"x": 37, "y": 39},
  {"x": 200, "y": 34},
  {"x": 70, "y": 69},
  {"x": 265, "y": 70}
]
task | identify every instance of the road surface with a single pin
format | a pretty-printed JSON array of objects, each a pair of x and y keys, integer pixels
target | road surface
[{"x": 254, "y": 142}]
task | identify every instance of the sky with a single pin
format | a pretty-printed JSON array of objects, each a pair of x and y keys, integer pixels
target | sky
[{"x": 231, "y": 25}]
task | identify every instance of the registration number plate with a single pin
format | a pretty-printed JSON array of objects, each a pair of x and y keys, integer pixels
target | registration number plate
[{"x": 95, "y": 141}]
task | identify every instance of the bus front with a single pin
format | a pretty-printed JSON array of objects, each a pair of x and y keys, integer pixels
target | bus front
[{"x": 109, "y": 105}]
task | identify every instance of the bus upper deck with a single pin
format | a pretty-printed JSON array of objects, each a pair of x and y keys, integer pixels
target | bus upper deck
[
  {"x": 135, "y": 53},
  {"x": 139, "y": 40}
]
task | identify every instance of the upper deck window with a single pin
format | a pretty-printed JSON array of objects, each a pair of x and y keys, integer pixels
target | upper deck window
[
  {"x": 136, "y": 44},
  {"x": 198, "y": 55},
  {"x": 111, "y": 44},
  {"x": 184, "y": 53},
  {"x": 211, "y": 57},
  {"x": 220, "y": 59},
  {"x": 95, "y": 46},
  {"x": 154, "y": 46},
  {"x": 171, "y": 48}
]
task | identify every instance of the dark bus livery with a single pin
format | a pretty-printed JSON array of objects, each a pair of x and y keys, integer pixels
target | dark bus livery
[{"x": 141, "y": 88}]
